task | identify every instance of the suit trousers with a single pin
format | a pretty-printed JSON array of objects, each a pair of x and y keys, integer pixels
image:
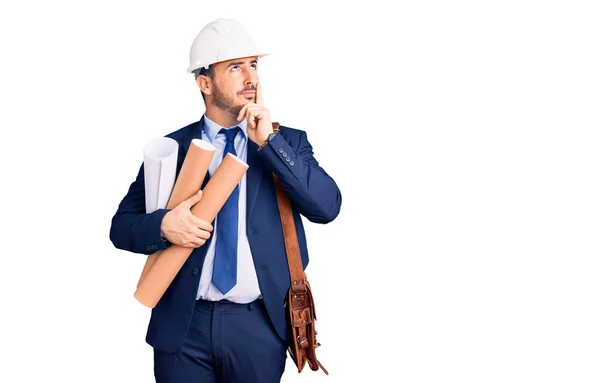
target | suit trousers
[{"x": 226, "y": 343}]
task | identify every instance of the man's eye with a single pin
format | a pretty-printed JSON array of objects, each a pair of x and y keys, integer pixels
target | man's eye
[
  {"x": 254, "y": 66},
  {"x": 235, "y": 68}
]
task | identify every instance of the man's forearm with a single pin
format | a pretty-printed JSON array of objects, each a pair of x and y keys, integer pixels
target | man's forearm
[
  {"x": 131, "y": 228},
  {"x": 312, "y": 191}
]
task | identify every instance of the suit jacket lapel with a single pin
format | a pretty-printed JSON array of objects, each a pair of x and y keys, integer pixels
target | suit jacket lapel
[{"x": 253, "y": 178}]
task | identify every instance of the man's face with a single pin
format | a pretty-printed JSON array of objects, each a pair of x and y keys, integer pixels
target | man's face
[{"x": 234, "y": 83}]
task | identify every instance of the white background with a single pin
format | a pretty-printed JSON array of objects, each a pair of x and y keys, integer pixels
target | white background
[{"x": 463, "y": 136}]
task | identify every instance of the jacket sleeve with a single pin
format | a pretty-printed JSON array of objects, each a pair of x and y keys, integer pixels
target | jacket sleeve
[
  {"x": 313, "y": 193},
  {"x": 131, "y": 228}
]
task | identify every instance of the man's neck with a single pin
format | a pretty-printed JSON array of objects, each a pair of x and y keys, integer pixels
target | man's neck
[{"x": 221, "y": 117}]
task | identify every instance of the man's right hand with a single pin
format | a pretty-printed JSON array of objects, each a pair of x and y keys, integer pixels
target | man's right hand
[{"x": 184, "y": 229}]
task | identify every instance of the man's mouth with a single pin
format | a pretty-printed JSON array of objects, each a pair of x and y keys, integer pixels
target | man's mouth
[{"x": 248, "y": 92}]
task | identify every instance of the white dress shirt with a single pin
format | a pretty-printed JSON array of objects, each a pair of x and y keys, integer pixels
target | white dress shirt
[{"x": 246, "y": 289}]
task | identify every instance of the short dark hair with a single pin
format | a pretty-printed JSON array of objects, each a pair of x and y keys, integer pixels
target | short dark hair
[{"x": 210, "y": 72}]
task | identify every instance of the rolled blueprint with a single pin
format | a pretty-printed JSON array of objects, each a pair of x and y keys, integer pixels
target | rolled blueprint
[
  {"x": 160, "y": 167},
  {"x": 192, "y": 174},
  {"x": 167, "y": 265}
]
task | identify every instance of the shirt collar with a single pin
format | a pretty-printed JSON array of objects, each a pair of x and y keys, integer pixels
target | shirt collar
[{"x": 211, "y": 128}]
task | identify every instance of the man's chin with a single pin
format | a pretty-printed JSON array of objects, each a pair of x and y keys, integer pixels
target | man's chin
[{"x": 236, "y": 110}]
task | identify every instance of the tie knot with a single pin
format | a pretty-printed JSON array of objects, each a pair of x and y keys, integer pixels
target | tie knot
[{"x": 230, "y": 133}]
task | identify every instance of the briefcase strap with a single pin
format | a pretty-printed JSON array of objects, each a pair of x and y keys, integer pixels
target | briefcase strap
[{"x": 297, "y": 275}]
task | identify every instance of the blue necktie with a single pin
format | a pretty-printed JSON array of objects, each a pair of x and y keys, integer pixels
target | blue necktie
[{"x": 225, "y": 265}]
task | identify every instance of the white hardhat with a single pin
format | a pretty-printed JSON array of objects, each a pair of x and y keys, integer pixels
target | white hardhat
[{"x": 221, "y": 40}]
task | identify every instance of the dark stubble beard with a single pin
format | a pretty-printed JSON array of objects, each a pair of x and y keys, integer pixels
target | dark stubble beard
[{"x": 225, "y": 103}]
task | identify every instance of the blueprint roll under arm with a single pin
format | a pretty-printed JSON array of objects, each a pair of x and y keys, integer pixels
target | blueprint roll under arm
[{"x": 190, "y": 179}]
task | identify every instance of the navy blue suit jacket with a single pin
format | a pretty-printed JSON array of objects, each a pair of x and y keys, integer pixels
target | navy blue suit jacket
[{"x": 313, "y": 194}]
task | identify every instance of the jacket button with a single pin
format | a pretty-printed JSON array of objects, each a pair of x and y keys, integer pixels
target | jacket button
[
  {"x": 280, "y": 150},
  {"x": 287, "y": 159},
  {"x": 292, "y": 163},
  {"x": 195, "y": 271}
]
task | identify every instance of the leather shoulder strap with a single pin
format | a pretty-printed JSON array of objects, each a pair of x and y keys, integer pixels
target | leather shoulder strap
[
  {"x": 290, "y": 238},
  {"x": 297, "y": 275}
]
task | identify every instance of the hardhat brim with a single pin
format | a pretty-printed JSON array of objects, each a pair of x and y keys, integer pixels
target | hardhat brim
[{"x": 192, "y": 68}]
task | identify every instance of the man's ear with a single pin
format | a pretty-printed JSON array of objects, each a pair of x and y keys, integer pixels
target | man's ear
[{"x": 205, "y": 84}]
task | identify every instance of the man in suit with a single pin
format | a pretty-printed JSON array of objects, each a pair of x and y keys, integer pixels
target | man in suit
[{"x": 219, "y": 324}]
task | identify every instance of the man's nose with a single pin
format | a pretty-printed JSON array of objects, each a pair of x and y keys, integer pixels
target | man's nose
[{"x": 250, "y": 78}]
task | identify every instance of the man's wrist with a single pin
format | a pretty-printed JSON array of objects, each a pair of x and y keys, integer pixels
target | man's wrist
[
  {"x": 267, "y": 140},
  {"x": 165, "y": 241}
]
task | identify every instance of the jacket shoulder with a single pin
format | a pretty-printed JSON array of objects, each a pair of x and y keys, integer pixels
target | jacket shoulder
[
  {"x": 291, "y": 133},
  {"x": 179, "y": 134}
]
